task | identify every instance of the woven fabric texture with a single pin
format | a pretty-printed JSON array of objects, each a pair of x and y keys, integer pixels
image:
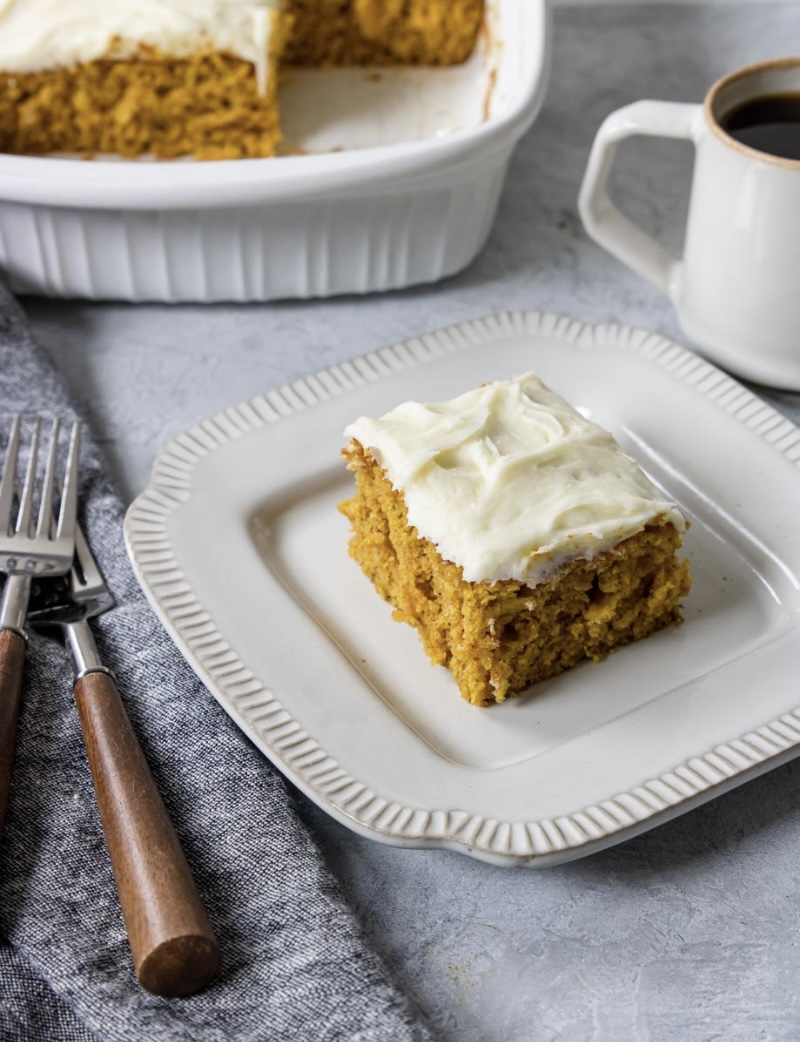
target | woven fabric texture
[{"x": 296, "y": 964}]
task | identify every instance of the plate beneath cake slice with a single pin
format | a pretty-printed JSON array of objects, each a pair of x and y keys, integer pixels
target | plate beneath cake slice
[{"x": 239, "y": 546}]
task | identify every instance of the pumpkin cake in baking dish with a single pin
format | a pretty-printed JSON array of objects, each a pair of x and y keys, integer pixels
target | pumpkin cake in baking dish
[
  {"x": 169, "y": 78},
  {"x": 513, "y": 533}
]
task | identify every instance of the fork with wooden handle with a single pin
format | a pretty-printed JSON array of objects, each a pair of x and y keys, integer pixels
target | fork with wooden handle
[
  {"x": 172, "y": 942},
  {"x": 29, "y": 549}
]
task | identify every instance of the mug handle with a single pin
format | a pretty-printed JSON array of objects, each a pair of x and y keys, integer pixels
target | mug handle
[{"x": 602, "y": 220}]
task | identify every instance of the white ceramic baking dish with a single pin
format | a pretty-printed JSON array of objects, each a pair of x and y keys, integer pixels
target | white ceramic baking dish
[{"x": 398, "y": 183}]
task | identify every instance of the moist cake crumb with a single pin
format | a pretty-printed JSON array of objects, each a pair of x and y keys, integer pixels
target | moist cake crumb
[{"x": 195, "y": 78}]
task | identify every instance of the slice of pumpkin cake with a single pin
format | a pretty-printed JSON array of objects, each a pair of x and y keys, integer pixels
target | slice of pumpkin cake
[{"x": 513, "y": 533}]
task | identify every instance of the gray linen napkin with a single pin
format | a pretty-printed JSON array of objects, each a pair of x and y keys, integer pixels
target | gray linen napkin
[{"x": 295, "y": 963}]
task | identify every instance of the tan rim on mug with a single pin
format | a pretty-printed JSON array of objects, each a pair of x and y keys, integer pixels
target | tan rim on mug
[{"x": 735, "y": 89}]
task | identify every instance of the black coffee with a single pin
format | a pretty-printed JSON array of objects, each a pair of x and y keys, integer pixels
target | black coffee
[{"x": 770, "y": 124}]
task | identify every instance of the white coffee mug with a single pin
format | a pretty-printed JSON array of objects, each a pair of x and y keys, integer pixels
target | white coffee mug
[{"x": 737, "y": 287}]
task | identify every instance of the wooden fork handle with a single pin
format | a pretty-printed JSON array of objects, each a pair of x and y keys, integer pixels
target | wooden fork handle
[
  {"x": 12, "y": 659},
  {"x": 172, "y": 942}
]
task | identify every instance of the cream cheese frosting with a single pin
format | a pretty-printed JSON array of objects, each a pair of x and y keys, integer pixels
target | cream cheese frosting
[
  {"x": 509, "y": 481},
  {"x": 45, "y": 34}
]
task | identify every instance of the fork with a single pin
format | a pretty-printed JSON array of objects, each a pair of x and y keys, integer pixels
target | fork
[
  {"x": 28, "y": 550},
  {"x": 174, "y": 949}
]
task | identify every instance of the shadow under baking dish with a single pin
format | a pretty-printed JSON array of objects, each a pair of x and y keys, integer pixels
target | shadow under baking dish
[{"x": 740, "y": 600}]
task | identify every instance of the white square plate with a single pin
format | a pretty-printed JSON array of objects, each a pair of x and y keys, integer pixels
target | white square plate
[{"x": 239, "y": 546}]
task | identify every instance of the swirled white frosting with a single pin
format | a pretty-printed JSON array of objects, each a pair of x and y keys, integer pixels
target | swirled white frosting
[
  {"x": 509, "y": 481},
  {"x": 46, "y": 34}
]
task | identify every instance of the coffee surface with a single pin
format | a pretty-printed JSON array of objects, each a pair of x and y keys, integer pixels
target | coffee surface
[{"x": 770, "y": 124}]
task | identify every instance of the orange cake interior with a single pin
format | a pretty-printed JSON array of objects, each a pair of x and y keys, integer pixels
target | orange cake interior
[{"x": 191, "y": 81}]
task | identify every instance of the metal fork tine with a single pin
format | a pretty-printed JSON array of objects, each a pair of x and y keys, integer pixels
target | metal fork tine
[
  {"x": 26, "y": 555},
  {"x": 26, "y": 501},
  {"x": 69, "y": 494},
  {"x": 9, "y": 478},
  {"x": 86, "y": 579},
  {"x": 48, "y": 485}
]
